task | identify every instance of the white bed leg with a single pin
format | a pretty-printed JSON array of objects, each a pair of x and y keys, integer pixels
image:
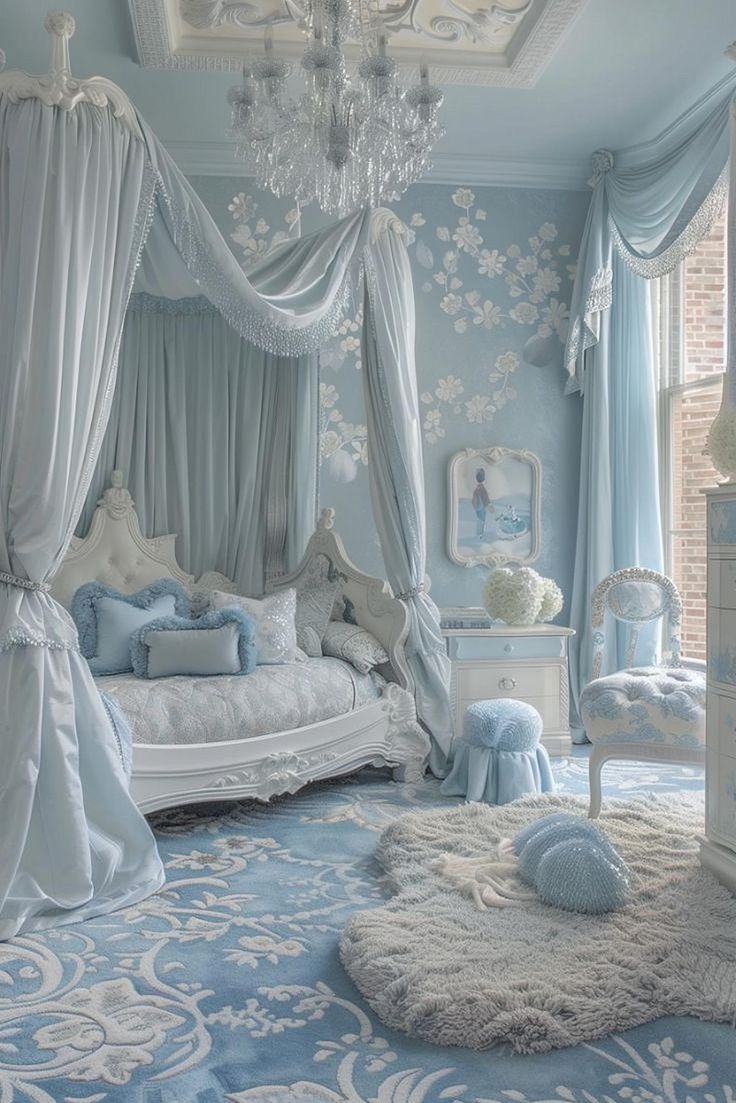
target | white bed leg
[{"x": 410, "y": 772}]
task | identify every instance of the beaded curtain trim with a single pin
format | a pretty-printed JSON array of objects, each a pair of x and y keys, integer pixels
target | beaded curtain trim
[{"x": 24, "y": 583}]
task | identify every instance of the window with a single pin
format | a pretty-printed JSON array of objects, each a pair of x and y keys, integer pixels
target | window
[{"x": 691, "y": 313}]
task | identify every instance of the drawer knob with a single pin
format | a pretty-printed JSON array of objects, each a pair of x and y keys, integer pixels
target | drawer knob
[
  {"x": 509, "y": 647},
  {"x": 507, "y": 683}
]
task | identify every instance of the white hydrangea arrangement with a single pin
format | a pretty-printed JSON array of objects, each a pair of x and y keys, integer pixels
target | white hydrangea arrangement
[{"x": 521, "y": 596}]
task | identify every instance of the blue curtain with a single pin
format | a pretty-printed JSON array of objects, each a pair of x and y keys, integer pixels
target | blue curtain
[
  {"x": 651, "y": 204},
  {"x": 217, "y": 440}
]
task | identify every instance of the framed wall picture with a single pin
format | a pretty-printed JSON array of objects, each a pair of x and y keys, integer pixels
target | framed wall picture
[{"x": 494, "y": 507}]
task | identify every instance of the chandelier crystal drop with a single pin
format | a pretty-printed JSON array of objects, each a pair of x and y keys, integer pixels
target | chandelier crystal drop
[{"x": 343, "y": 143}]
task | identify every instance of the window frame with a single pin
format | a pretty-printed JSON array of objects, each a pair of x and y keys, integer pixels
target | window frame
[{"x": 668, "y": 314}]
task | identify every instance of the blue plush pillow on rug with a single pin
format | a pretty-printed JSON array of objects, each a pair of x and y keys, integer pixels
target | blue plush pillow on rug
[
  {"x": 572, "y": 864},
  {"x": 222, "y": 642},
  {"x": 105, "y": 619}
]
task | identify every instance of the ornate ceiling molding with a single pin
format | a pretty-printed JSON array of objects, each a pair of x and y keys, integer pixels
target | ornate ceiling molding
[
  {"x": 216, "y": 159},
  {"x": 503, "y": 43}
]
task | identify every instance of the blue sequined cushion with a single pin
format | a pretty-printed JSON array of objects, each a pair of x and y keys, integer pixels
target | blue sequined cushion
[
  {"x": 504, "y": 724},
  {"x": 571, "y": 864}
]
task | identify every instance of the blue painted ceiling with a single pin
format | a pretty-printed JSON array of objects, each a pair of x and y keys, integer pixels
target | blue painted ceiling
[{"x": 625, "y": 69}]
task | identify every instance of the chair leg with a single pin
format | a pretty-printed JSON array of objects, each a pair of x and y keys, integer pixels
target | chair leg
[{"x": 595, "y": 765}]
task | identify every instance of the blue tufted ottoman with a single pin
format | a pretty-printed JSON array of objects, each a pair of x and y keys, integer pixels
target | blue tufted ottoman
[{"x": 498, "y": 757}]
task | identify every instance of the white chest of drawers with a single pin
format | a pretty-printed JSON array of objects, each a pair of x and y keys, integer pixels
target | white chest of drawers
[
  {"x": 529, "y": 664},
  {"x": 718, "y": 849}
]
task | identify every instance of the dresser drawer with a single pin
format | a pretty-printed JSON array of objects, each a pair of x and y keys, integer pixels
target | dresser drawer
[
  {"x": 722, "y": 522},
  {"x": 484, "y": 647},
  {"x": 547, "y": 707},
  {"x": 722, "y": 583},
  {"x": 721, "y": 722},
  {"x": 720, "y": 798},
  {"x": 512, "y": 680},
  {"x": 722, "y": 646}
]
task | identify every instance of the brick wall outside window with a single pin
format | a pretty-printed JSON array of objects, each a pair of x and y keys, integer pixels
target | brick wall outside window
[{"x": 700, "y": 312}]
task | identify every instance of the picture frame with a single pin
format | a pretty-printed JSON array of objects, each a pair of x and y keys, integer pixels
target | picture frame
[{"x": 494, "y": 499}]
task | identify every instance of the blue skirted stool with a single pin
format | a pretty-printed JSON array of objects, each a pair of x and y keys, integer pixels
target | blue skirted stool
[{"x": 498, "y": 757}]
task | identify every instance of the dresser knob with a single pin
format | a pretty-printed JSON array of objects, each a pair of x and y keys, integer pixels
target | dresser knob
[
  {"x": 508, "y": 648},
  {"x": 507, "y": 683}
]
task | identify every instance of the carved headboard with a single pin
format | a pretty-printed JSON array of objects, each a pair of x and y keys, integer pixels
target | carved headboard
[
  {"x": 371, "y": 602},
  {"x": 115, "y": 551}
]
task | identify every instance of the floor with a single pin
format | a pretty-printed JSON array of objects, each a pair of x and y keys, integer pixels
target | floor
[{"x": 226, "y": 986}]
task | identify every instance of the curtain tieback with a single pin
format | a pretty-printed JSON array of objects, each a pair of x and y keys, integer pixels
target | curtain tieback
[
  {"x": 413, "y": 592},
  {"x": 24, "y": 583}
]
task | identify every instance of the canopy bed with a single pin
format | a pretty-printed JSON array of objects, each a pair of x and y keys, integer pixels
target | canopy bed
[
  {"x": 196, "y": 739},
  {"x": 92, "y": 212}
]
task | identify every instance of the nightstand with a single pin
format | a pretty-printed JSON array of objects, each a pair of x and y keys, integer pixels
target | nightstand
[{"x": 499, "y": 660}]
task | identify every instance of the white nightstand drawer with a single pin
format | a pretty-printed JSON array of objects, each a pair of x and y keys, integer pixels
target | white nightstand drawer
[
  {"x": 508, "y": 680},
  {"x": 467, "y": 648},
  {"x": 722, "y": 583}
]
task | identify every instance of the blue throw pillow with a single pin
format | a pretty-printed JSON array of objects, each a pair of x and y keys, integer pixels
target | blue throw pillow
[
  {"x": 105, "y": 619},
  {"x": 223, "y": 642}
]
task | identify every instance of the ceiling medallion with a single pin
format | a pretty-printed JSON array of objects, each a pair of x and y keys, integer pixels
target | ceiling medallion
[{"x": 343, "y": 143}]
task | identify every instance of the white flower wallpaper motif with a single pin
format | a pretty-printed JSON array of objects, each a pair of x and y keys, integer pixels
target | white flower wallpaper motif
[{"x": 492, "y": 270}]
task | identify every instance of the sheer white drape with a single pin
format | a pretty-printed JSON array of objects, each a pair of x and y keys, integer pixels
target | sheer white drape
[
  {"x": 396, "y": 470},
  {"x": 74, "y": 194}
]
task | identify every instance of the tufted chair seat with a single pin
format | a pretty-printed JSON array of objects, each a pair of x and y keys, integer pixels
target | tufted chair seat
[
  {"x": 652, "y": 713},
  {"x": 646, "y": 705}
]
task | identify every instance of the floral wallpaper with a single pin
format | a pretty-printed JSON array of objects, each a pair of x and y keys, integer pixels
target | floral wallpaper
[{"x": 493, "y": 271}]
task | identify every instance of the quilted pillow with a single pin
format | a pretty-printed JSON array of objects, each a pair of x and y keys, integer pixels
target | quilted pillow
[
  {"x": 316, "y": 591},
  {"x": 105, "y": 619},
  {"x": 274, "y": 619},
  {"x": 216, "y": 643},
  {"x": 355, "y": 645}
]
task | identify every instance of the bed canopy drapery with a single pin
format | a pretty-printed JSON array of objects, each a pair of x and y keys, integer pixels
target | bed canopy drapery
[{"x": 90, "y": 202}]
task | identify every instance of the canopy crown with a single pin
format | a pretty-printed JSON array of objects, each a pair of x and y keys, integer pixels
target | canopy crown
[{"x": 58, "y": 88}]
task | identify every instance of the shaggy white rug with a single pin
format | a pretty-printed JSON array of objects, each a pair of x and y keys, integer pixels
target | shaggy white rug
[{"x": 434, "y": 964}]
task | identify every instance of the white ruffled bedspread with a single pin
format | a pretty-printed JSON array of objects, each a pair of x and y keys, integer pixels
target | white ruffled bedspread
[{"x": 211, "y": 710}]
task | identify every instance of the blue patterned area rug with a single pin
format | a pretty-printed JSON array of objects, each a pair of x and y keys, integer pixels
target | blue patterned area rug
[{"x": 226, "y": 987}]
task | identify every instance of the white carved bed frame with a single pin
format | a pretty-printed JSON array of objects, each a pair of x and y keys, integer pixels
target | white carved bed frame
[{"x": 382, "y": 732}]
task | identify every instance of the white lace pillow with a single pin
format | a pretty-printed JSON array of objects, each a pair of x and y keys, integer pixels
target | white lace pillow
[
  {"x": 316, "y": 592},
  {"x": 355, "y": 645},
  {"x": 275, "y": 622}
]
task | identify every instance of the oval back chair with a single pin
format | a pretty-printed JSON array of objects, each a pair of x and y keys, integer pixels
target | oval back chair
[{"x": 653, "y": 713}]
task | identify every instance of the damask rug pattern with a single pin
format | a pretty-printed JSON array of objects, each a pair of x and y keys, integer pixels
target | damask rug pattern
[{"x": 226, "y": 986}]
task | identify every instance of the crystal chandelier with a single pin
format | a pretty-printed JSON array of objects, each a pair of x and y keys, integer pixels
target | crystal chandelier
[{"x": 343, "y": 143}]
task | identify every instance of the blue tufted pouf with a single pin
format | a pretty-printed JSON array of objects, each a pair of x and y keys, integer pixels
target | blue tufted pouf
[{"x": 498, "y": 757}]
